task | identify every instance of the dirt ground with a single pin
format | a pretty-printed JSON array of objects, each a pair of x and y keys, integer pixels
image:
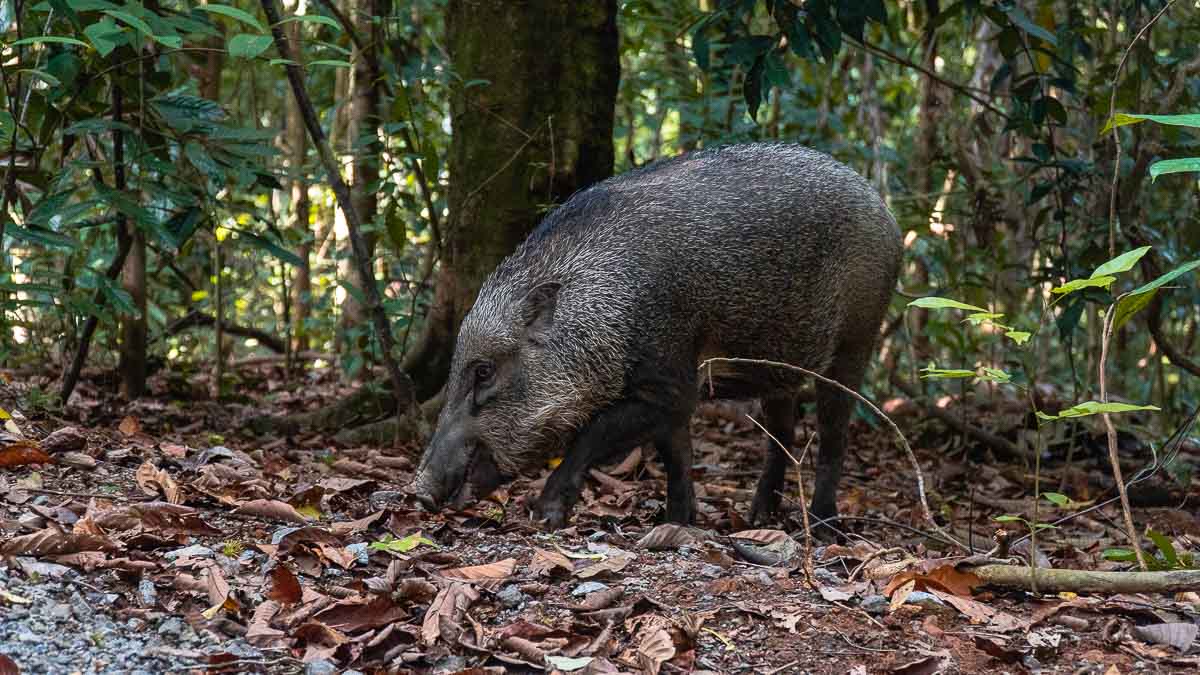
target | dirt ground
[{"x": 312, "y": 555}]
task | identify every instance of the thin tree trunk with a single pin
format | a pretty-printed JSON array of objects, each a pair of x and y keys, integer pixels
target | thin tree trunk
[
  {"x": 300, "y": 209},
  {"x": 132, "y": 361}
]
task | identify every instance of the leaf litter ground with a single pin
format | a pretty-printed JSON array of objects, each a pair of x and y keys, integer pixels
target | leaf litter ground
[{"x": 289, "y": 553}]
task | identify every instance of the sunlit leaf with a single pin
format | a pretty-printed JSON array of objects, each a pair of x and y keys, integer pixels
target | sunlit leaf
[
  {"x": 932, "y": 373},
  {"x": 314, "y": 18},
  {"x": 1174, "y": 166},
  {"x": 1121, "y": 263},
  {"x": 233, "y": 13},
  {"x": 1018, "y": 336},
  {"x": 1077, "y": 284},
  {"x": 248, "y": 46},
  {"x": 944, "y": 303},
  {"x": 1122, "y": 119}
]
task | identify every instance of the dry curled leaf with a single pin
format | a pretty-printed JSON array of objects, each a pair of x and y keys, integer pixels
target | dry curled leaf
[
  {"x": 668, "y": 536},
  {"x": 285, "y": 587},
  {"x": 451, "y": 603},
  {"x": 761, "y": 536},
  {"x": 545, "y": 562},
  {"x": 154, "y": 481},
  {"x": 501, "y": 569},
  {"x": 23, "y": 453},
  {"x": 655, "y": 649},
  {"x": 272, "y": 509}
]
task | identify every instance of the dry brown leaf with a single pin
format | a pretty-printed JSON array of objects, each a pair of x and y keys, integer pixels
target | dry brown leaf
[
  {"x": 8, "y": 666},
  {"x": 66, "y": 439},
  {"x": 354, "y": 616},
  {"x": 901, "y": 593},
  {"x": 53, "y": 541},
  {"x": 761, "y": 536},
  {"x": 451, "y": 603},
  {"x": 546, "y": 561},
  {"x": 655, "y": 649},
  {"x": 344, "y": 528},
  {"x": 1177, "y": 635},
  {"x": 615, "y": 561},
  {"x": 23, "y": 453},
  {"x": 130, "y": 426},
  {"x": 154, "y": 481},
  {"x": 260, "y": 632},
  {"x": 272, "y": 509},
  {"x": 501, "y": 569},
  {"x": 599, "y": 599},
  {"x": 945, "y": 578},
  {"x": 285, "y": 587},
  {"x": 668, "y": 536},
  {"x": 981, "y": 614}
]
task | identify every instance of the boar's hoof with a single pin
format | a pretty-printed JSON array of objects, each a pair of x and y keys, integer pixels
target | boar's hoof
[
  {"x": 765, "y": 505},
  {"x": 552, "y": 511}
]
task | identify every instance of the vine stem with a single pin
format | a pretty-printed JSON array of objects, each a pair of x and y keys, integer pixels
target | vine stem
[
  {"x": 1116, "y": 135},
  {"x": 1111, "y": 432}
]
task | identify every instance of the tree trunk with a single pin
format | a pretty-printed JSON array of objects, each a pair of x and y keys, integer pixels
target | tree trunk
[
  {"x": 539, "y": 129},
  {"x": 132, "y": 360},
  {"x": 297, "y": 146},
  {"x": 362, "y": 136}
]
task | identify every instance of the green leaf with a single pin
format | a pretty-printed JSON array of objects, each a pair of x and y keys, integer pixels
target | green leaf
[
  {"x": 8, "y": 127},
  {"x": 1018, "y": 336},
  {"x": 983, "y": 317},
  {"x": 1174, "y": 166},
  {"x": 233, "y": 13},
  {"x": 43, "y": 76},
  {"x": 52, "y": 39},
  {"x": 172, "y": 41},
  {"x": 95, "y": 126},
  {"x": 1121, "y": 263},
  {"x": 1096, "y": 408},
  {"x": 1009, "y": 519},
  {"x": 247, "y": 46},
  {"x": 336, "y": 63},
  {"x": 403, "y": 545},
  {"x": 1130, "y": 304},
  {"x": 1057, "y": 498},
  {"x": 933, "y": 302},
  {"x": 1168, "y": 277},
  {"x": 104, "y": 35},
  {"x": 1076, "y": 284},
  {"x": 932, "y": 373},
  {"x": 1022, "y": 21},
  {"x": 1165, "y": 547},
  {"x": 314, "y": 18},
  {"x": 995, "y": 375},
  {"x": 1122, "y": 119},
  {"x": 41, "y": 236},
  {"x": 1119, "y": 555}
]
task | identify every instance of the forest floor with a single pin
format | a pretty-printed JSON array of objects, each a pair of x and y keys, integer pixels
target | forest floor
[{"x": 163, "y": 536}]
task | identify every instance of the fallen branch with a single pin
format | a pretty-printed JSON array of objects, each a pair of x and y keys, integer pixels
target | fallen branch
[
  {"x": 1083, "y": 581},
  {"x": 996, "y": 443},
  {"x": 196, "y": 318}
]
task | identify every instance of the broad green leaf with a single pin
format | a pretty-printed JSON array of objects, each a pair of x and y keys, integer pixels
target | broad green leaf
[
  {"x": 981, "y": 317},
  {"x": 1022, "y": 21},
  {"x": 336, "y": 63},
  {"x": 1121, "y": 119},
  {"x": 1018, "y": 336},
  {"x": 933, "y": 302},
  {"x": 1046, "y": 417},
  {"x": 247, "y": 46},
  {"x": 995, "y": 375},
  {"x": 95, "y": 126},
  {"x": 1174, "y": 166},
  {"x": 54, "y": 39},
  {"x": 403, "y": 545},
  {"x": 1121, "y": 263},
  {"x": 1076, "y": 284},
  {"x": 1165, "y": 547},
  {"x": 43, "y": 76},
  {"x": 1009, "y": 519},
  {"x": 172, "y": 41},
  {"x": 1130, "y": 304},
  {"x": 314, "y": 18},
  {"x": 282, "y": 62},
  {"x": 233, "y": 13},
  {"x": 41, "y": 236},
  {"x": 932, "y": 373},
  {"x": 104, "y": 35},
  {"x": 1057, "y": 498},
  {"x": 1097, "y": 408},
  {"x": 1119, "y": 555},
  {"x": 1168, "y": 277}
]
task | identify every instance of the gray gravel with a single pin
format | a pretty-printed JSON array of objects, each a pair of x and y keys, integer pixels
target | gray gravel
[{"x": 52, "y": 622}]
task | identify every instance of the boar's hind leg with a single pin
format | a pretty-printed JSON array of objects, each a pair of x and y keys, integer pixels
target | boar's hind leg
[
  {"x": 675, "y": 450},
  {"x": 780, "y": 416},
  {"x": 612, "y": 433},
  {"x": 833, "y": 416}
]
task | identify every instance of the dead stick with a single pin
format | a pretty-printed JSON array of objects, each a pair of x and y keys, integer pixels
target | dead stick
[{"x": 1084, "y": 581}]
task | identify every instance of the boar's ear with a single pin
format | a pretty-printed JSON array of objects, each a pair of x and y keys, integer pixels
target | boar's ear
[{"x": 537, "y": 309}]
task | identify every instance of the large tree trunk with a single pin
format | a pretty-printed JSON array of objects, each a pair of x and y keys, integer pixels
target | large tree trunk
[
  {"x": 132, "y": 360},
  {"x": 537, "y": 129}
]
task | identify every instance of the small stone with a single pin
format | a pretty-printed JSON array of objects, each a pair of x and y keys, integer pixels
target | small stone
[
  {"x": 511, "y": 597},
  {"x": 171, "y": 626},
  {"x": 711, "y": 571},
  {"x": 321, "y": 667},
  {"x": 588, "y": 587},
  {"x": 923, "y": 599},
  {"x": 875, "y": 604}
]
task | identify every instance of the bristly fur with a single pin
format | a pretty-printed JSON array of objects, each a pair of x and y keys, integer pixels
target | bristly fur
[{"x": 770, "y": 251}]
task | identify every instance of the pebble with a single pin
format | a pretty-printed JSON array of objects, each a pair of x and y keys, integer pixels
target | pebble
[
  {"x": 511, "y": 597},
  {"x": 588, "y": 587},
  {"x": 875, "y": 604}
]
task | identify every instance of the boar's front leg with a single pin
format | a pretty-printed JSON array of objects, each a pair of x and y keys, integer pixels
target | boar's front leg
[{"x": 612, "y": 433}]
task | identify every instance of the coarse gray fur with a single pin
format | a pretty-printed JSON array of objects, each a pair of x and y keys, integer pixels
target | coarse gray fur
[{"x": 759, "y": 251}]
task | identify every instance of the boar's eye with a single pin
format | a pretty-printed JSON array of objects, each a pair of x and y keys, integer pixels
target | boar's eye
[{"x": 484, "y": 372}]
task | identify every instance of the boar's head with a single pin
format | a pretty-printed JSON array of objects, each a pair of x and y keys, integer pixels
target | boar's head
[{"x": 510, "y": 397}]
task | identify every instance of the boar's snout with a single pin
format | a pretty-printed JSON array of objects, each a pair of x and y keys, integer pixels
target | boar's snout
[{"x": 443, "y": 473}]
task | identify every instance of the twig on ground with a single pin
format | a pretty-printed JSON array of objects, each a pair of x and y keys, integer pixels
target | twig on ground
[{"x": 1085, "y": 581}]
